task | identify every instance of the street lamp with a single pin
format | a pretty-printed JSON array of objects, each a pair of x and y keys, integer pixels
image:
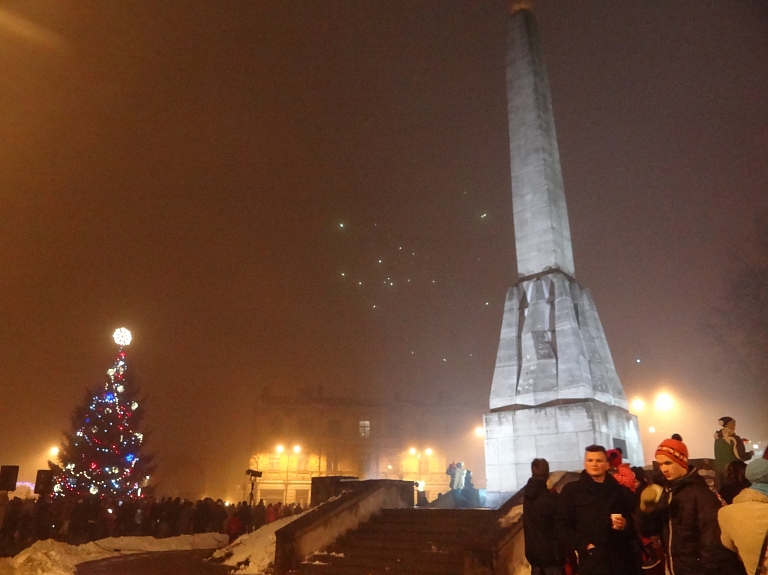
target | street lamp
[
  {"x": 664, "y": 401},
  {"x": 296, "y": 449}
]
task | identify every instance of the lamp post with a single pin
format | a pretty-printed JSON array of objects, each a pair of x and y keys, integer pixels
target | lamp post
[{"x": 296, "y": 449}]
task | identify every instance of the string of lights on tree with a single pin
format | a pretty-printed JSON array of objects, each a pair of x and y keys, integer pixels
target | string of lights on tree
[{"x": 103, "y": 455}]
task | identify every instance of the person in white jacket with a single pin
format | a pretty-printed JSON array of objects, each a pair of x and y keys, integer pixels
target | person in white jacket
[
  {"x": 457, "y": 479},
  {"x": 744, "y": 523}
]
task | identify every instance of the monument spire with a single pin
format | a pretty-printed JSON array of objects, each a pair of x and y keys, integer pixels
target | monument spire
[
  {"x": 542, "y": 232},
  {"x": 555, "y": 389}
]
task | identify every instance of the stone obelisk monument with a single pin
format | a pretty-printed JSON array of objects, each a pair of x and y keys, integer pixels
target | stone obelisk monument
[{"x": 555, "y": 389}]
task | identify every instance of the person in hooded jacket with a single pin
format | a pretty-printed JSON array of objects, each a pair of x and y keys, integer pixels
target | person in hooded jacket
[
  {"x": 684, "y": 514},
  {"x": 744, "y": 525},
  {"x": 539, "y": 509},
  {"x": 594, "y": 518}
]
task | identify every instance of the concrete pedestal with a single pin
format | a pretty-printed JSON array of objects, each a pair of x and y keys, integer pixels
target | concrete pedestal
[{"x": 558, "y": 433}]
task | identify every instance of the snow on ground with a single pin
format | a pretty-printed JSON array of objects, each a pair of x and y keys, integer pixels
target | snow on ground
[
  {"x": 512, "y": 516},
  {"x": 23, "y": 491},
  {"x": 258, "y": 548},
  {"x": 51, "y": 557}
]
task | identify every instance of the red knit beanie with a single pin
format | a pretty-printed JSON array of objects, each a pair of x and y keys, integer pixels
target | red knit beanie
[{"x": 675, "y": 450}]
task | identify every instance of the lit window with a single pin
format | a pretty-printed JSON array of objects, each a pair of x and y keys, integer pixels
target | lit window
[
  {"x": 364, "y": 428},
  {"x": 274, "y": 463}
]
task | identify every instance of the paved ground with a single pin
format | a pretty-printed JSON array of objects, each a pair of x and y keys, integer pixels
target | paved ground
[{"x": 161, "y": 563}]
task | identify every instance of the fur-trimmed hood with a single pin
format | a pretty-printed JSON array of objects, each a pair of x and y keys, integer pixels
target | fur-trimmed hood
[{"x": 749, "y": 495}]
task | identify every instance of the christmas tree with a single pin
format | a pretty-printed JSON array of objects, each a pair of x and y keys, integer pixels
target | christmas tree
[{"x": 103, "y": 454}]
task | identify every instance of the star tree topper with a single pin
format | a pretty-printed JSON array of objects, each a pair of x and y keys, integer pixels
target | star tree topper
[{"x": 122, "y": 337}]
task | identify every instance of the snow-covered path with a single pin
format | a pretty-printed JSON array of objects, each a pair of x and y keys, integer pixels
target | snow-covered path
[
  {"x": 54, "y": 558},
  {"x": 170, "y": 563}
]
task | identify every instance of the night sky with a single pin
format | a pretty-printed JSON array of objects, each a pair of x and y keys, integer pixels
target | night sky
[{"x": 284, "y": 194}]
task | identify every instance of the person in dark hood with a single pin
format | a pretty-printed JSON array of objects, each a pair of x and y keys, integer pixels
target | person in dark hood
[
  {"x": 594, "y": 518},
  {"x": 539, "y": 509},
  {"x": 684, "y": 514}
]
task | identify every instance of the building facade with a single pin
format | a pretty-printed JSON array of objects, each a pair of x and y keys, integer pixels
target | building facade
[{"x": 297, "y": 437}]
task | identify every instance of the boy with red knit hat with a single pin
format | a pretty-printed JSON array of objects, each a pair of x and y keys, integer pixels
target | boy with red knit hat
[{"x": 684, "y": 514}]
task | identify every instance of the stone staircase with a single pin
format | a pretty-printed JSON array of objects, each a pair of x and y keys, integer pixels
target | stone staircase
[{"x": 411, "y": 541}]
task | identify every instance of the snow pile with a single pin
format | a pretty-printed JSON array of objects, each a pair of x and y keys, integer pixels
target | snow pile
[
  {"x": 512, "y": 516},
  {"x": 51, "y": 557},
  {"x": 253, "y": 552},
  {"x": 23, "y": 491}
]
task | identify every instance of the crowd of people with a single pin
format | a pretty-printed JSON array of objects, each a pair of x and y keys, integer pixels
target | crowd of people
[
  {"x": 24, "y": 521},
  {"x": 617, "y": 519},
  {"x": 614, "y": 519}
]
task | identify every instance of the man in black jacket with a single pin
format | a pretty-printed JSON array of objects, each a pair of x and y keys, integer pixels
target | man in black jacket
[
  {"x": 539, "y": 508},
  {"x": 684, "y": 514},
  {"x": 594, "y": 518}
]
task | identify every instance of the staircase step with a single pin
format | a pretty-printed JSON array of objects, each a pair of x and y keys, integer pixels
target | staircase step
[
  {"x": 407, "y": 542},
  {"x": 357, "y": 566},
  {"x": 389, "y": 555},
  {"x": 441, "y": 544},
  {"x": 416, "y": 528}
]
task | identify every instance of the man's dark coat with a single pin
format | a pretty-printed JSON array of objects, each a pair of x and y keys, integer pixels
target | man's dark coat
[
  {"x": 539, "y": 510},
  {"x": 686, "y": 519},
  {"x": 584, "y": 517}
]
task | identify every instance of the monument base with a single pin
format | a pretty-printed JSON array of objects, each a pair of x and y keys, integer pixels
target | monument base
[{"x": 558, "y": 433}]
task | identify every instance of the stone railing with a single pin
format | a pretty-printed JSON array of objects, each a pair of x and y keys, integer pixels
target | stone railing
[{"x": 324, "y": 524}]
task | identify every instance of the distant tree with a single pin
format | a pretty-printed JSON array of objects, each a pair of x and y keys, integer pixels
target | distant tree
[
  {"x": 741, "y": 326},
  {"x": 103, "y": 454}
]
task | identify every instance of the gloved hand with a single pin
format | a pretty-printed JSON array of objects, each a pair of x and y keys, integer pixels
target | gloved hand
[{"x": 650, "y": 497}]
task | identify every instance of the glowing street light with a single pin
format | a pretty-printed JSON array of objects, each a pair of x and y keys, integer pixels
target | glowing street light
[
  {"x": 638, "y": 405},
  {"x": 412, "y": 451},
  {"x": 279, "y": 448},
  {"x": 652, "y": 430},
  {"x": 428, "y": 451},
  {"x": 54, "y": 451},
  {"x": 297, "y": 449},
  {"x": 664, "y": 401}
]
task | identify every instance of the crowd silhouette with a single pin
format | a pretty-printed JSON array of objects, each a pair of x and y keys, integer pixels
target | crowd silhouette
[{"x": 25, "y": 521}]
